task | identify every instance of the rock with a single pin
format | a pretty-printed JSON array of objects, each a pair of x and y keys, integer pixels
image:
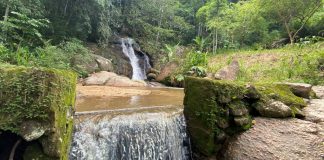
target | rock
[
  {"x": 156, "y": 84},
  {"x": 277, "y": 139},
  {"x": 300, "y": 89},
  {"x": 314, "y": 112},
  {"x": 239, "y": 111},
  {"x": 229, "y": 72},
  {"x": 223, "y": 123},
  {"x": 221, "y": 137},
  {"x": 35, "y": 104},
  {"x": 274, "y": 109},
  {"x": 119, "y": 60},
  {"x": 242, "y": 121},
  {"x": 120, "y": 81},
  {"x": 94, "y": 64},
  {"x": 111, "y": 79},
  {"x": 151, "y": 76},
  {"x": 104, "y": 64},
  {"x": 238, "y": 108},
  {"x": 252, "y": 92},
  {"x": 31, "y": 130},
  {"x": 319, "y": 91},
  {"x": 99, "y": 78},
  {"x": 167, "y": 70}
]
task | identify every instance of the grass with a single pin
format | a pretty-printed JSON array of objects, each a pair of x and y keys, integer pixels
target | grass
[{"x": 289, "y": 64}]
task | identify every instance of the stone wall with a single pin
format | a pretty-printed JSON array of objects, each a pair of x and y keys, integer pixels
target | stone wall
[
  {"x": 217, "y": 110},
  {"x": 37, "y": 104}
]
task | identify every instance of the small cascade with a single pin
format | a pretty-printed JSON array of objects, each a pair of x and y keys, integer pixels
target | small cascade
[
  {"x": 147, "y": 64},
  {"x": 137, "y": 136},
  {"x": 138, "y": 72}
]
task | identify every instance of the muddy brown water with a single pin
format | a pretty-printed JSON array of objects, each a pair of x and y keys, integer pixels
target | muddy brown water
[{"x": 158, "y": 97}]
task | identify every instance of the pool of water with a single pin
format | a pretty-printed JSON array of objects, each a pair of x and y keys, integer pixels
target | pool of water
[{"x": 156, "y": 97}]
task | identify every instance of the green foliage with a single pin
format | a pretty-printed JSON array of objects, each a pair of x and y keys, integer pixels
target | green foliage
[
  {"x": 22, "y": 31},
  {"x": 199, "y": 71},
  {"x": 65, "y": 56},
  {"x": 195, "y": 59},
  {"x": 171, "y": 53}
]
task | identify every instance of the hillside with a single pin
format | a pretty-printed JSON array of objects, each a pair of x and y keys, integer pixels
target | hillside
[{"x": 291, "y": 63}]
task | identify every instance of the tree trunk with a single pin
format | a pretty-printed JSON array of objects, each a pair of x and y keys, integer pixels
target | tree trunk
[
  {"x": 216, "y": 45},
  {"x": 7, "y": 11}
]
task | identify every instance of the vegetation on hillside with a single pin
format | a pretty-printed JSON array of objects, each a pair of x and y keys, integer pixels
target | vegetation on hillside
[{"x": 51, "y": 33}]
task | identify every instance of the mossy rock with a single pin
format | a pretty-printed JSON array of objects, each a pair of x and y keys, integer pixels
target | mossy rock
[
  {"x": 206, "y": 110},
  {"x": 215, "y": 107},
  {"x": 280, "y": 92},
  {"x": 43, "y": 95}
]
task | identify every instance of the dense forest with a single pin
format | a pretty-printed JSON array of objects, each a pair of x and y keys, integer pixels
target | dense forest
[{"x": 48, "y": 33}]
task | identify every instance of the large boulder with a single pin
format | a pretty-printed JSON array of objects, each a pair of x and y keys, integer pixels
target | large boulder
[
  {"x": 99, "y": 78},
  {"x": 111, "y": 79},
  {"x": 277, "y": 139},
  {"x": 121, "y": 63},
  {"x": 103, "y": 63},
  {"x": 166, "y": 71},
  {"x": 94, "y": 63},
  {"x": 229, "y": 72}
]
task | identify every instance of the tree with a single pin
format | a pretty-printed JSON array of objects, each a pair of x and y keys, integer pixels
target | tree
[{"x": 292, "y": 14}]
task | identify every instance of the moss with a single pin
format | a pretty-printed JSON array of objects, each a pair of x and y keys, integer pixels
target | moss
[
  {"x": 215, "y": 107},
  {"x": 206, "y": 109},
  {"x": 280, "y": 93},
  {"x": 43, "y": 95}
]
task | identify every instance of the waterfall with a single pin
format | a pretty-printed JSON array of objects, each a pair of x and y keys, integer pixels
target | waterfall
[
  {"x": 147, "y": 64},
  {"x": 128, "y": 50},
  {"x": 137, "y": 136}
]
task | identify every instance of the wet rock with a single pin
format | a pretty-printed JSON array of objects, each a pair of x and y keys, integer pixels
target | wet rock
[
  {"x": 274, "y": 109},
  {"x": 229, "y": 72},
  {"x": 167, "y": 70},
  {"x": 300, "y": 89},
  {"x": 31, "y": 130},
  {"x": 277, "y": 139},
  {"x": 119, "y": 61},
  {"x": 155, "y": 84}
]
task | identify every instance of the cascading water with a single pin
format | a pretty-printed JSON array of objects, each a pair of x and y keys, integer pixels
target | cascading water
[
  {"x": 138, "y": 72},
  {"x": 138, "y": 136}
]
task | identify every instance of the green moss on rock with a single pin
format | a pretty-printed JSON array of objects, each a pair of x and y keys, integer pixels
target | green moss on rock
[
  {"x": 43, "y": 95},
  {"x": 213, "y": 108}
]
